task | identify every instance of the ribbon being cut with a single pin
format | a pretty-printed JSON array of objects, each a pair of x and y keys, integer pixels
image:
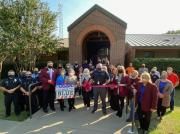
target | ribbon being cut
[{"x": 65, "y": 91}]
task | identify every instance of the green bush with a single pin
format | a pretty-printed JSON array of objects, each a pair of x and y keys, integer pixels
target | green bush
[
  {"x": 160, "y": 63},
  {"x": 39, "y": 64}
]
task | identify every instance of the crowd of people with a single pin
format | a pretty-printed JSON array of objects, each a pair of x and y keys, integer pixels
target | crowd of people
[{"x": 142, "y": 90}]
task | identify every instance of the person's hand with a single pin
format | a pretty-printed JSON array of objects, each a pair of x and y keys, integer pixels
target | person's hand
[
  {"x": 134, "y": 91},
  {"x": 104, "y": 84},
  {"x": 49, "y": 81},
  {"x": 153, "y": 110},
  {"x": 27, "y": 93},
  {"x": 123, "y": 85},
  {"x": 39, "y": 87},
  {"x": 160, "y": 95},
  {"x": 78, "y": 84},
  {"x": 10, "y": 91}
]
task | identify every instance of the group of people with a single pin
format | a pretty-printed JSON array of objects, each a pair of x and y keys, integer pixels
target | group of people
[{"x": 142, "y": 90}]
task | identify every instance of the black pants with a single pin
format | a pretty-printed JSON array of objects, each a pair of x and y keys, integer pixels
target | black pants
[
  {"x": 8, "y": 99},
  {"x": 120, "y": 103},
  {"x": 71, "y": 102},
  {"x": 48, "y": 98},
  {"x": 144, "y": 118},
  {"x": 61, "y": 103},
  {"x": 34, "y": 103},
  {"x": 78, "y": 90},
  {"x": 113, "y": 102},
  {"x": 161, "y": 110},
  {"x": 86, "y": 98},
  {"x": 40, "y": 97},
  {"x": 21, "y": 101}
]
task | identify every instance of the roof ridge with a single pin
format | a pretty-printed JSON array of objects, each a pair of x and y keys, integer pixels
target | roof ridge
[{"x": 102, "y": 10}]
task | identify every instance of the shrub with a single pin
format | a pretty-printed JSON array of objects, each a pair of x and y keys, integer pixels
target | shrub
[{"x": 160, "y": 63}]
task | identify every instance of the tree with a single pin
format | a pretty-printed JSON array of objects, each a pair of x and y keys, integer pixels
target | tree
[
  {"x": 28, "y": 28},
  {"x": 173, "y": 32}
]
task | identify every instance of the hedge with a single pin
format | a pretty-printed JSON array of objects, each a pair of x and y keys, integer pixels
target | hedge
[
  {"x": 40, "y": 64},
  {"x": 160, "y": 63}
]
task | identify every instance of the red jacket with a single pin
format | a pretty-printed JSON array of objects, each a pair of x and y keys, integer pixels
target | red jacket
[
  {"x": 150, "y": 97},
  {"x": 44, "y": 77},
  {"x": 134, "y": 85},
  {"x": 86, "y": 84},
  {"x": 123, "y": 90}
]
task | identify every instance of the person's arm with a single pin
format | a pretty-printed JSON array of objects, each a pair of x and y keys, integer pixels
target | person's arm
[
  {"x": 14, "y": 89},
  {"x": 154, "y": 98},
  {"x": 24, "y": 91},
  {"x": 3, "y": 89},
  {"x": 177, "y": 81},
  {"x": 34, "y": 89},
  {"x": 107, "y": 78},
  {"x": 42, "y": 77}
]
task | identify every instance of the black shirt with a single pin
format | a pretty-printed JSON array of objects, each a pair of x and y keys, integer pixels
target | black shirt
[
  {"x": 26, "y": 82},
  {"x": 100, "y": 77},
  {"x": 11, "y": 83}
]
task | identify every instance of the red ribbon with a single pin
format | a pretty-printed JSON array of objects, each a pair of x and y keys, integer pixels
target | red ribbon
[{"x": 107, "y": 86}]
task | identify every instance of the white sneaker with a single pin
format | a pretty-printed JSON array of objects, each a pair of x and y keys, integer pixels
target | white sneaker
[{"x": 88, "y": 108}]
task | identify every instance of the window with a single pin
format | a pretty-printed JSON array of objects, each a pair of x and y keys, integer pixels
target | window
[{"x": 149, "y": 54}]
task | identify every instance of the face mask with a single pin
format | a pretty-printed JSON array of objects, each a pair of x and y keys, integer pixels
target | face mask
[
  {"x": 99, "y": 69},
  {"x": 28, "y": 77},
  {"x": 11, "y": 76},
  {"x": 62, "y": 74},
  {"x": 59, "y": 67},
  {"x": 120, "y": 71},
  {"x": 50, "y": 67}
]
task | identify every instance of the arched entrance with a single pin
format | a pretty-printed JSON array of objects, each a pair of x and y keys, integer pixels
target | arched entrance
[{"x": 96, "y": 45}]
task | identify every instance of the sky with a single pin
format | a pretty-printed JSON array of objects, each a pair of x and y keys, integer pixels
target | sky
[{"x": 141, "y": 16}]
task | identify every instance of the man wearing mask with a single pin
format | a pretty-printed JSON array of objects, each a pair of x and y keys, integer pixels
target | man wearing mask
[
  {"x": 143, "y": 69},
  {"x": 35, "y": 75},
  {"x": 100, "y": 78},
  {"x": 48, "y": 78},
  {"x": 24, "y": 88},
  {"x": 11, "y": 84},
  {"x": 173, "y": 77}
]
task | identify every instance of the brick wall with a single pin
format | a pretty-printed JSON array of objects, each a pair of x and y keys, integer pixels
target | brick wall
[{"x": 97, "y": 21}]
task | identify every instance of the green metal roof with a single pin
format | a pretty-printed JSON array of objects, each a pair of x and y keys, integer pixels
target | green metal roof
[{"x": 153, "y": 40}]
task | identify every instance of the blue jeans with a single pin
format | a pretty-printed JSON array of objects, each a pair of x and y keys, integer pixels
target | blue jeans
[{"x": 172, "y": 99}]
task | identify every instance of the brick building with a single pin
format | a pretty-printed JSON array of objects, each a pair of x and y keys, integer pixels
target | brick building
[{"x": 98, "y": 33}]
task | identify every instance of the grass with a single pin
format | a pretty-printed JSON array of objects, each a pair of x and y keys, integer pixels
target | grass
[
  {"x": 171, "y": 121},
  {"x": 13, "y": 117}
]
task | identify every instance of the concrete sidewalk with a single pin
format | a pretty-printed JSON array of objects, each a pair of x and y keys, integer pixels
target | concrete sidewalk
[
  {"x": 79, "y": 121},
  {"x": 6, "y": 125}
]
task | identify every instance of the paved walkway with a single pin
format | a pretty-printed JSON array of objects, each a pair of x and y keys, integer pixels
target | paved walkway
[
  {"x": 6, "y": 125},
  {"x": 79, "y": 121}
]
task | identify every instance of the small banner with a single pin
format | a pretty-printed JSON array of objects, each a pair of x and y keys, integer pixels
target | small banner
[{"x": 65, "y": 91}]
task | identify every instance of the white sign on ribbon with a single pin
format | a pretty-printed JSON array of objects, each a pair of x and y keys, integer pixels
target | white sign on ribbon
[{"x": 65, "y": 91}]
